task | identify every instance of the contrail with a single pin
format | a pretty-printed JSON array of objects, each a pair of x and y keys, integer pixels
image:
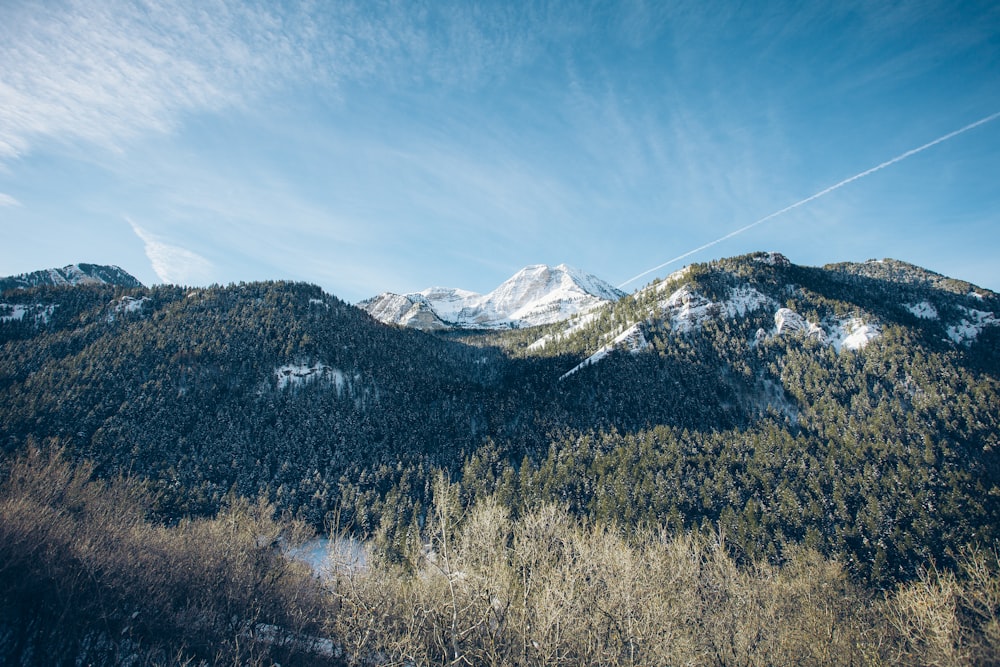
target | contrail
[{"x": 825, "y": 191}]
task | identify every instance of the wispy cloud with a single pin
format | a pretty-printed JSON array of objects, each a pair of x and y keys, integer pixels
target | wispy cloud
[
  {"x": 105, "y": 71},
  {"x": 172, "y": 263},
  {"x": 6, "y": 201}
]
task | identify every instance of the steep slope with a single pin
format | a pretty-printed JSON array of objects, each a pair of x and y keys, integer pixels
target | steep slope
[
  {"x": 843, "y": 306},
  {"x": 74, "y": 274},
  {"x": 533, "y": 296}
]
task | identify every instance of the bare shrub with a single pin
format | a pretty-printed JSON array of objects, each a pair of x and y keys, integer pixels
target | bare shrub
[
  {"x": 947, "y": 619},
  {"x": 547, "y": 589},
  {"x": 85, "y": 578}
]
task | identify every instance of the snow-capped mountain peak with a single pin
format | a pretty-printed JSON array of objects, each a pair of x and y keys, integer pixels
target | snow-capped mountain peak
[{"x": 537, "y": 294}]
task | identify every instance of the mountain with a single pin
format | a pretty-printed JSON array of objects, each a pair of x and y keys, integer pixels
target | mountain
[
  {"x": 851, "y": 408},
  {"x": 769, "y": 286},
  {"x": 74, "y": 274},
  {"x": 535, "y": 295}
]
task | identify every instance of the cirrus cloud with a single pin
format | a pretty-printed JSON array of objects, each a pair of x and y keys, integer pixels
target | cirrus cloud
[{"x": 172, "y": 263}]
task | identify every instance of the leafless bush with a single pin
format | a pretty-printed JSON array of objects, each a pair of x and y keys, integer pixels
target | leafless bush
[
  {"x": 548, "y": 589},
  {"x": 947, "y": 619},
  {"x": 85, "y": 577}
]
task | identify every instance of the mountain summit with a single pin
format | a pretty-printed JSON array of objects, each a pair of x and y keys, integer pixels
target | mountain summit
[
  {"x": 537, "y": 294},
  {"x": 74, "y": 274}
]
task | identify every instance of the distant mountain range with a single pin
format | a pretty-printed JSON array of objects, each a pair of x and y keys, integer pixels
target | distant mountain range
[
  {"x": 535, "y": 295},
  {"x": 74, "y": 274}
]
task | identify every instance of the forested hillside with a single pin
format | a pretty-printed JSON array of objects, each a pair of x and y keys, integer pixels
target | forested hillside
[
  {"x": 851, "y": 410},
  {"x": 735, "y": 395}
]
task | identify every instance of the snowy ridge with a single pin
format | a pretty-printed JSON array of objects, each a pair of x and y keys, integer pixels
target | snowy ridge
[
  {"x": 535, "y": 295},
  {"x": 74, "y": 274},
  {"x": 772, "y": 259},
  {"x": 411, "y": 310},
  {"x": 686, "y": 310}
]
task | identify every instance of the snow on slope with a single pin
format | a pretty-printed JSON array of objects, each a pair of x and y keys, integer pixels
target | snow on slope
[
  {"x": 127, "y": 304},
  {"x": 535, "y": 295},
  {"x": 845, "y": 333},
  {"x": 852, "y": 333},
  {"x": 295, "y": 375},
  {"x": 687, "y": 310},
  {"x": 925, "y": 310},
  {"x": 966, "y": 330},
  {"x": 632, "y": 339},
  {"x": 16, "y": 312},
  {"x": 410, "y": 310}
]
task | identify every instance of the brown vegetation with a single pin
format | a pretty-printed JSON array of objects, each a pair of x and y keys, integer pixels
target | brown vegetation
[
  {"x": 86, "y": 578},
  {"x": 547, "y": 589}
]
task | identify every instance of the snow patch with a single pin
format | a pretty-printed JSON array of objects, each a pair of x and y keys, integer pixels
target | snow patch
[
  {"x": 773, "y": 259},
  {"x": 688, "y": 310},
  {"x": 743, "y": 300},
  {"x": 127, "y": 304},
  {"x": 852, "y": 334},
  {"x": 787, "y": 321},
  {"x": 632, "y": 340},
  {"x": 965, "y": 331},
  {"x": 925, "y": 310},
  {"x": 10, "y": 312},
  {"x": 291, "y": 376},
  {"x": 575, "y": 324}
]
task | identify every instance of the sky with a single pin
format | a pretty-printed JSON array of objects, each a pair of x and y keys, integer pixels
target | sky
[{"x": 393, "y": 146}]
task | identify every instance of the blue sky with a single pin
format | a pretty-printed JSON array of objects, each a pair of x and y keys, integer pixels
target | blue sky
[{"x": 392, "y": 146}]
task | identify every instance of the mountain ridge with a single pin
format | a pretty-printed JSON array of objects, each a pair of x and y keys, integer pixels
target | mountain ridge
[
  {"x": 721, "y": 400},
  {"x": 71, "y": 275},
  {"x": 537, "y": 294}
]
